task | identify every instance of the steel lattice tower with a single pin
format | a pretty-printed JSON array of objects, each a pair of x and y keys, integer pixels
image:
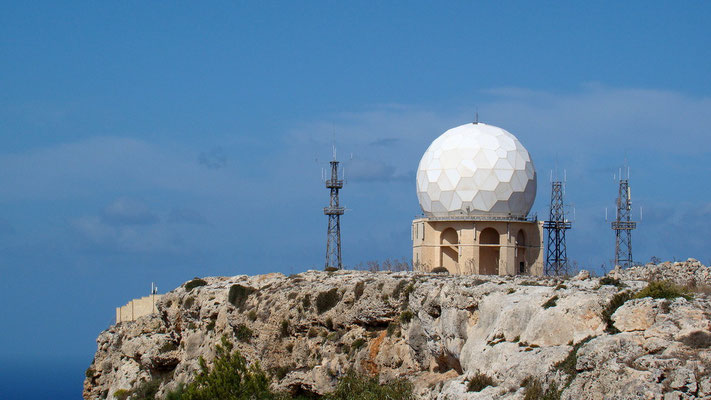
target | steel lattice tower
[
  {"x": 556, "y": 250},
  {"x": 623, "y": 226},
  {"x": 334, "y": 212}
]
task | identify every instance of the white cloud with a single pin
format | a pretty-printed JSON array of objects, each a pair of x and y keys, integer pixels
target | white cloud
[{"x": 663, "y": 130}]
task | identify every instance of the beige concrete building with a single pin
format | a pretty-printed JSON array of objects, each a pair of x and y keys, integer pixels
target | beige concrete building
[
  {"x": 486, "y": 247},
  {"x": 137, "y": 308},
  {"x": 476, "y": 184}
]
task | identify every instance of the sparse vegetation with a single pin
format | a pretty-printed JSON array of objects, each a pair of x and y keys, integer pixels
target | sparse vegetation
[
  {"x": 567, "y": 366},
  {"x": 402, "y": 284},
  {"x": 409, "y": 290},
  {"x": 90, "y": 373},
  {"x": 663, "y": 290},
  {"x": 122, "y": 394},
  {"x": 335, "y": 336},
  {"x": 403, "y": 264},
  {"x": 534, "y": 390},
  {"x": 531, "y": 283},
  {"x": 479, "y": 381},
  {"x": 394, "y": 329},
  {"x": 167, "y": 346},
  {"x": 289, "y": 347},
  {"x": 189, "y": 301},
  {"x": 252, "y": 315},
  {"x": 229, "y": 378},
  {"x": 551, "y": 302},
  {"x": 284, "y": 330},
  {"x": 197, "y": 282},
  {"x": 357, "y": 344},
  {"x": 440, "y": 270},
  {"x": 327, "y": 300},
  {"x": 360, "y": 387},
  {"x": 312, "y": 333},
  {"x": 306, "y": 301},
  {"x": 406, "y": 316},
  {"x": 238, "y": 295},
  {"x": 243, "y": 333},
  {"x": 616, "y": 302},
  {"x": 608, "y": 280},
  {"x": 211, "y": 326},
  {"x": 280, "y": 372},
  {"x": 146, "y": 390},
  {"x": 329, "y": 323},
  {"x": 330, "y": 269}
]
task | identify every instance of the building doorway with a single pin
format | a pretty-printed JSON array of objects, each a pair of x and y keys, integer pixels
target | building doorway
[
  {"x": 449, "y": 248},
  {"x": 521, "y": 252},
  {"x": 489, "y": 252}
]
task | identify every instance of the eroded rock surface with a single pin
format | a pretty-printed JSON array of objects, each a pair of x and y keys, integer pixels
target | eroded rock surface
[{"x": 435, "y": 330}]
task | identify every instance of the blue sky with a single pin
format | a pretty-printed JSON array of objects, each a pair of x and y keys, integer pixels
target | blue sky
[{"x": 161, "y": 141}]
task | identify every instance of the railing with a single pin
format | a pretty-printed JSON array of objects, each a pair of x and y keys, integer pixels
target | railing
[
  {"x": 334, "y": 183},
  {"x": 334, "y": 210},
  {"x": 502, "y": 218},
  {"x": 623, "y": 225}
]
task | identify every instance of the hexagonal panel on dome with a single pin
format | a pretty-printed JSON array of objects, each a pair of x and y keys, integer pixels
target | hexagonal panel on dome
[{"x": 476, "y": 169}]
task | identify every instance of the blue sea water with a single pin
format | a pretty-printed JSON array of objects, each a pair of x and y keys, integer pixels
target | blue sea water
[{"x": 42, "y": 378}]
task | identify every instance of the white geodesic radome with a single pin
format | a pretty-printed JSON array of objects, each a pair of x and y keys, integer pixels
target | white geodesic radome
[{"x": 478, "y": 170}]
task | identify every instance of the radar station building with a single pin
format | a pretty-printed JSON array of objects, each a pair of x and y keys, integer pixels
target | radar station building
[{"x": 476, "y": 184}]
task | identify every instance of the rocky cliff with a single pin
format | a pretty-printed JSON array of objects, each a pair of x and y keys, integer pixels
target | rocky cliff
[{"x": 438, "y": 331}]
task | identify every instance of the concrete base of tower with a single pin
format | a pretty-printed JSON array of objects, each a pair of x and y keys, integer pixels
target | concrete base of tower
[{"x": 478, "y": 246}]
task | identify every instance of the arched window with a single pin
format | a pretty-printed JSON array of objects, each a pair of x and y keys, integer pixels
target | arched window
[{"x": 489, "y": 236}]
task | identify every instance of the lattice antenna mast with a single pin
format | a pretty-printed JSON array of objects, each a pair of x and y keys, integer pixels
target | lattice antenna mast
[
  {"x": 623, "y": 224},
  {"x": 557, "y": 224},
  {"x": 334, "y": 212}
]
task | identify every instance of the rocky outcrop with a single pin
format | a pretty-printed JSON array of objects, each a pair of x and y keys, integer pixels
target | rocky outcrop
[
  {"x": 688, "y": 273},
  {"x": 436, "y": 330}
]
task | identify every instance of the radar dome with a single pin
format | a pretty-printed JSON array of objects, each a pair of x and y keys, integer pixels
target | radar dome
[{"x": 476, "y": 170}]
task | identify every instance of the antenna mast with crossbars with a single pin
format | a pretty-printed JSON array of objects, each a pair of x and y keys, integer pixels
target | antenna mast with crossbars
[
  {"x": 334, "y": 212},
  {"x": 557, "y": 224},
  {"x": 623, "y": 224}
]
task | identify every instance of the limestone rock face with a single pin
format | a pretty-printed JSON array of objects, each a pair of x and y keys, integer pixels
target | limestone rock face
[{"x": 437, "y": 331}]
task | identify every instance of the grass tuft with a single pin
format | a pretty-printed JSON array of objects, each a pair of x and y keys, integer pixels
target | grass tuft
[
  {"x": 663, "y": 290},
  {"x": 551, "y": 302},
  {"x": 478, "y": 382}
]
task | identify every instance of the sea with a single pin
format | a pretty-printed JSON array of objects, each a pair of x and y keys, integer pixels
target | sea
[{"x": 42, "y": 378}]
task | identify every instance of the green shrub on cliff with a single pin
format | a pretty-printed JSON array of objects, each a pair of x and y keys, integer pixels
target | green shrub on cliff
[
  {"x": 238, "y": 295},
  {"x": 663, "y": 290},
  {"x": 230, "y": 378},
  {"x": 359, "y": 387}
]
